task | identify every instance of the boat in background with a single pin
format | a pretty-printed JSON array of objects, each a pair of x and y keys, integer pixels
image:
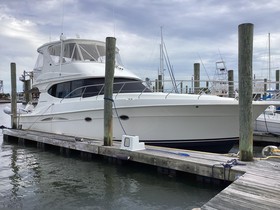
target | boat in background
[
  {"x": 69, "y": 75},
  {"x": 268, "y": 122}
]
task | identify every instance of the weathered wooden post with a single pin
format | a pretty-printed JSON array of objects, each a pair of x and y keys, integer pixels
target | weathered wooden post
[
  {"x": 160, "y": 83},
  {"x": 277, "y": 79},
  {"x": 245, "y": 52},
  {"x": 230, "y": 84},
  {"x": 196, "y": 77},
  {"x": 156, "y": 85},
  {"x": 27, "y": 87},
  {"x": 265, "y": 87},
  {"x": 14, "y": 96},
  {"x": 181, "y": 87},
  {"x": 108, "y": 90}
]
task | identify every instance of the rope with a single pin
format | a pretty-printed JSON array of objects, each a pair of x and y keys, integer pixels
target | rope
[
  {"x": 115, "y": 108},
  {"x": 265, "y": 158},
  {"x": 227, "y": 165},
  {"x": 39, "y": 116},
  {"x": 169, "y": 152}
]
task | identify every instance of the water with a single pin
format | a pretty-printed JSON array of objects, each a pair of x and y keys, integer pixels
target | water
[{"x": 34, "y": 179}]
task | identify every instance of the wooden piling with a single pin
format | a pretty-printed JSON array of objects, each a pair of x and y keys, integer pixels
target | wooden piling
[
  {"x": 108, "y": 90},
  {"x": 160, "y": 83},
  {"x": 181, "y": 87},
  {"x": 27, "y": 86},
  {"x": 265, "y": 87},
  {"x": 196, "y": 77},
  {"x": 245, "y": 52},
  {"x": 277, "y": 79},
  {"x": 14, "y": 96},
  {"x": 230, "y": 84}
]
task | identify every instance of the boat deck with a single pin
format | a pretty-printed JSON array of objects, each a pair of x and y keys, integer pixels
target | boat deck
[{"x": 255, "y": 185}]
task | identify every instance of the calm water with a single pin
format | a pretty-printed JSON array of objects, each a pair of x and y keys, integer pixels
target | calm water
[{"x": 35, "y": 179}]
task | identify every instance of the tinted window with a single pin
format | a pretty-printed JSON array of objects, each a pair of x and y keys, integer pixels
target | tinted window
[{"x": 92, "y": 87}]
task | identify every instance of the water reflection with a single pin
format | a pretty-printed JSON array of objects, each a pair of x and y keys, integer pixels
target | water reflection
[{"x": 15, "y": 178}]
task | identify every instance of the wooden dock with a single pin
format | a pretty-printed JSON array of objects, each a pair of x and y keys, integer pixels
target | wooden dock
[{"x": 255, "y": 185}]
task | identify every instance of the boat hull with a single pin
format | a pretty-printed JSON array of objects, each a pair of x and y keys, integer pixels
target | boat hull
[
  {"x": 206, "y": 127},
  {"x": 268, "y": 123}
]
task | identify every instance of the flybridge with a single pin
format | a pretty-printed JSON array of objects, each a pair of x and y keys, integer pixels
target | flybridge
[{"x": 71, "y": 50}]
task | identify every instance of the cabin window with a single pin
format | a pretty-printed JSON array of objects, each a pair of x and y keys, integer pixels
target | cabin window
[
  {"x": 69, "y": 51},
  {"x": 55, "y": 53},
  {"x": 38, "y": 66},
  {"x": 89, "y": 52},
  {"x": 80, "y": 52},
  {"x": 94, "y": 86},
  {"x": 39, "y": 63}
]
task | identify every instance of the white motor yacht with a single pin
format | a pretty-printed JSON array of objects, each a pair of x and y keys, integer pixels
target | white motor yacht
[{"x": 69, "y": 75}]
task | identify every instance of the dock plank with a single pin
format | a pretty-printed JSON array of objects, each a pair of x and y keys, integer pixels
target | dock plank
[{"x": 242, "y": 194}]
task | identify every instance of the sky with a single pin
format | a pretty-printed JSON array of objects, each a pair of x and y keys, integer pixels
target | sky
[{"x": 204, "y": 31}]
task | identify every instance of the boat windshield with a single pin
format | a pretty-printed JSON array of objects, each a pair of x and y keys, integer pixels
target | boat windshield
[
  {"x": 95, "y": 86},
  {"x": 80, "y": 51}
]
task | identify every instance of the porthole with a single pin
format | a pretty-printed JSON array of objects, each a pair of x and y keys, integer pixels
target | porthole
[
  {"x": 88, "y": 119},
  {"x": 124, "y": 117}
]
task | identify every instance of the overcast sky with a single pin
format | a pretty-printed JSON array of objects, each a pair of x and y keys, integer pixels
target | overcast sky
[{"x": 194, "y": 31}]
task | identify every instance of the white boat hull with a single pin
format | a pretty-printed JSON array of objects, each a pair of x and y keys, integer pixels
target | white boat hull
[
  {"x": 174, "y": 123},
  {"x": 268, "y": 123}
]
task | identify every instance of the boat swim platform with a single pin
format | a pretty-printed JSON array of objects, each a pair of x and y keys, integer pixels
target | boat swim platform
[{"x": 255, "y": 185}]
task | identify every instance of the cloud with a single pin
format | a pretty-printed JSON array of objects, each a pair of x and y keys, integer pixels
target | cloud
[{"x": 194, "y": 31}]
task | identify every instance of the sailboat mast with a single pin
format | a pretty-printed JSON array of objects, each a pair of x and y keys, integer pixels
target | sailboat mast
[
  {"x": 161, "y": 53},
  {"x": 269, "y": 61}
]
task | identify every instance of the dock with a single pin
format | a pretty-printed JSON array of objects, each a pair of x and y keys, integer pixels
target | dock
[{"x": 255, "y": 185}]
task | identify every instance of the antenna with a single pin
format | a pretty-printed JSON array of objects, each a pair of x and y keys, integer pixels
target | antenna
[
  {"x": 62, "y": 17},
  {"x": 114, "y": 19}
]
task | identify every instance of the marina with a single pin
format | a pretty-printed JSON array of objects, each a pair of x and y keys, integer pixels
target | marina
[
  {"x": 143, "y": 105},
  {"x": 72, "y": 80},
  {"x": 72, "y": 95}
]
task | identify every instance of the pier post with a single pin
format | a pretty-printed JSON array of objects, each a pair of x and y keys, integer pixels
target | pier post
[
  {"x": 108, "y": 90},
  {"x": 230, "y": 84},
  {"x": 160, "y": 83},
  {"x": 156, "y": 85},
  {"x": 245, "y": 57},
  {"x": 277, "y": 79},
  {"x": 196, "y": 77},
  {"x": 265, "y": 87},
  {"x": 14, "y": 96},
  {"x": 181, "y": 87},
  {"x": 27, "y": 86}
]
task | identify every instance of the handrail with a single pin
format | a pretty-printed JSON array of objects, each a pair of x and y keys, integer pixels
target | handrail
[
  {"x": 172, "y": 90},
  {"x": 119, "y": 90},
  {"x": 100, "y": 91},
  {"x": 102, "y": 88},
  {"x": 142, "y": 92},
  {"x": 80, "y": 94}
]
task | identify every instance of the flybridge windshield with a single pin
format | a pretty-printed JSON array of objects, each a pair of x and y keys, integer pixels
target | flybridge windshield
[{"x": 86, "y": 52}]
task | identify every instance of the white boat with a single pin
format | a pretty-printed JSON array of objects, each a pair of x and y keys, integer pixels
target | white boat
[
  {"x": 268, "y": 121},
  {"x": 69, "y": 74}
]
